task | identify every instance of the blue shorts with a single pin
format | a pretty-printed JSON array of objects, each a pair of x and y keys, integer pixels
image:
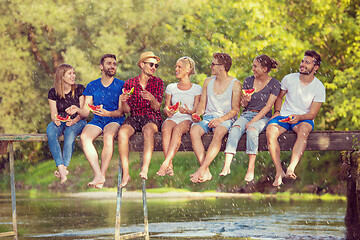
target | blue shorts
[
  {"x": 207, "y": 118},
  {"x": 101, "y": 122},
  {"x": 289, "y": 126}
]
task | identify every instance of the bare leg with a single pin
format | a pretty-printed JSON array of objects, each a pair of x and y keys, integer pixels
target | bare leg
[
  {"x": 149, "y": 131},
  {"x": 87, "y": 136},
  {"x": 166, "y": 130},
  {"x": 125, "y": 132},
  {"x": 228, "y": 159},
  {"x": 273, "y": 131},
  {"x": 175, "y": 142},
  {"x": 302, "y": 129},
  {"x": 109, "y": 134},
  {"x": 203, "y": 173},
  {"x": 250, "y": 172},
  {"x": 198, "y": 147}
]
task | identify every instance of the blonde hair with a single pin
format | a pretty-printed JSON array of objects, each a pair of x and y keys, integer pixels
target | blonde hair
[
  {"x": 191, "y": 63},
  {"x": 58, "y": 80}
]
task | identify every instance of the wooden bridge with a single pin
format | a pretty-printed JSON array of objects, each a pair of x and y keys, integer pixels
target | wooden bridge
[{"x": 348, "y": 141}]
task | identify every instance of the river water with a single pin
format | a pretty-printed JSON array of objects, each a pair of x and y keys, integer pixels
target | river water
[{"x": 61, "y": 218}]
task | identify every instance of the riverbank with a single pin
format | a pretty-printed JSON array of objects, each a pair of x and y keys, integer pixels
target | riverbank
[
  {"x": 178, "y": 194},
  {"x": 156, "y": 195}
]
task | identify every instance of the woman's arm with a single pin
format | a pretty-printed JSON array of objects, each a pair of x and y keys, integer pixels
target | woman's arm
[
  {"x": 269, "y": 104},
  {"x": 53, "y": 112}
]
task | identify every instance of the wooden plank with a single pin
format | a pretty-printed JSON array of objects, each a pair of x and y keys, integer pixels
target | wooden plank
[
  {"x": 7, "y": 234},
  {"x": 317, "y": 141}
]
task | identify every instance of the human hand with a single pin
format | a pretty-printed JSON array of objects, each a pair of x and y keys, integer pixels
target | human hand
[
  {"x": 168, "y": 113},
  {"x": 277, "y": 113},
  {"x": 57, "y": 122},
  {"x": 247, "y": 125},
  {"x": 215, "y": 122},
  {"x": 102, "y": 112},
  {"x": 72, "y": 110},
  {"x": 70, "y": 122},
  {"x": 124, "y": 97},
  {"x": 185, "y": 110},
  {"x": 246, "y": 97},
  {"x": 295, "y": 119},
  {"x": 147, "y": 95}
]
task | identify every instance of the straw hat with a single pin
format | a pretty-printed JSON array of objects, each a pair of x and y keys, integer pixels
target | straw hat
[{"x": 146, "y": 55}]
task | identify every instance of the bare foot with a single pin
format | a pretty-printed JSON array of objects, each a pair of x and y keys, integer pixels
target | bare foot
[
  {"x": 225, "y": 172},
  {"x": 125, "y": 180},
  {"x": 97, "y": 181},
  {"x": 207, "y": 177},
  {"x": 249, "y": 176},
  {"x": 200, "y": 176},
  {"x": 169, "y": 172},
  {"x": 278, "y": 179},
  {"x": 57, "y": 174},
  {"x": 290, "y": 174},
  {"x": 162, "y": 170},
  {"x": 196, "y": 176},
  {"x": 143, "y": 174},
  {"x": 63, "y": 179},
  {"x": 62, "y": 173}
]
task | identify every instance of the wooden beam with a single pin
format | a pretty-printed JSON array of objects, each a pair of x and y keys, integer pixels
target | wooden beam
[{"x": 317, "y": 141}]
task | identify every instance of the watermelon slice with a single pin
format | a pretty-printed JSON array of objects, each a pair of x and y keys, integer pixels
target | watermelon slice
[
  {"x": 94, "y": 108},
  {"x": 174, "y": 108},
  {"x": 128, "y": 92},
  {"x": 248, "y": 91},
  {"x": 62, "y": 119},
  {"x": 197, "y": 117},
  {"x": 287, "y": 119}
]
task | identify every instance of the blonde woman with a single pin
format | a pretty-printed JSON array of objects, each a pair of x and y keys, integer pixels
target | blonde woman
[
  {"x": 64, "y": 94},
  {"x": 178, "y": 123}
]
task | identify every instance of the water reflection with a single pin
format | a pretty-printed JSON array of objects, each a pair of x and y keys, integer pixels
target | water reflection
[{"x": 68, "y": 218}]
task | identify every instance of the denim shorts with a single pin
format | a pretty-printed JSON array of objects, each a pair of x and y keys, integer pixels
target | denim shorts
[
  {"x": 289, "y": 126},
  {"x": 101, "y": 122},
  {"x": 207, "y": 118}
]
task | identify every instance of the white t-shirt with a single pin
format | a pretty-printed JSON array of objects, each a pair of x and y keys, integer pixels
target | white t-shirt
[
  {"x": 299, "y": 98},
  {"x": 219, "y": 105},
  {"x": 185, "y": 97}
]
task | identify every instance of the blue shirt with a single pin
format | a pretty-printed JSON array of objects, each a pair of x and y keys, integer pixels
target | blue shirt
[{"x": 107, "y": 96}]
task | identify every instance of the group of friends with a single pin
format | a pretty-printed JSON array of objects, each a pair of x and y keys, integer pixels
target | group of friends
[{"x": 213, "y": 107}]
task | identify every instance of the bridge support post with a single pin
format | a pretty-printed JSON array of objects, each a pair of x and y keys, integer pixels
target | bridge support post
[
  {"x": 144, "y": 234},
  {"x": 352, "y": 218}
]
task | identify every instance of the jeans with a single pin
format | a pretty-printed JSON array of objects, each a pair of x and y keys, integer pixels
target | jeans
[
  {"x": 53, "y": 133},
  {"x": 252, "y": 136}
]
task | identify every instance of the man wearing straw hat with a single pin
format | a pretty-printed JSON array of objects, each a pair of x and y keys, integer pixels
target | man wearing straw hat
[{"x": 144, "y": 108}]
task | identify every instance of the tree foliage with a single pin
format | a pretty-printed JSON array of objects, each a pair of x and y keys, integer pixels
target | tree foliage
[{"x": 38, "y": 36}]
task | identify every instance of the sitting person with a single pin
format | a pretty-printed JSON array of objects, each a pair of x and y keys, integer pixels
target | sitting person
[
  {"x": 103, "y": 91},
  {"x": 144, "y": 108},
  {"x": 64, "y": 94},
  {"x": 256, "y": 114},
  {"x": 188, "y": 94},
  {"x": 304, "y": 95},
  {"x": 220, "y": 104}
]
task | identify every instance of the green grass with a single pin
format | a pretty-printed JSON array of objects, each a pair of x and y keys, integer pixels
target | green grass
[{"x": 288, "y": 196}]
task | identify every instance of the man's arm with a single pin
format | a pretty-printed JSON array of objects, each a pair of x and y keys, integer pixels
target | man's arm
[
  {"x": 83, "y": 111},
  {"x": 116, "y": 113},
  {"x": 235, "y": 107},
  {"x": 314, "y": 109},
  {"x": 235, "y": 102},
  {"x": 278, "y": 103},
  {"x": 200, "y": 108}
]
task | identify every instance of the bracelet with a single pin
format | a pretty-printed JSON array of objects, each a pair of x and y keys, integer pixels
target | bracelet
[{"x": 276, "y": 111}]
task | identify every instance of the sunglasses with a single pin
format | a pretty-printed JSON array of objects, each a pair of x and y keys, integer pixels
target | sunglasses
[{"x": 152, "y": 64}]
